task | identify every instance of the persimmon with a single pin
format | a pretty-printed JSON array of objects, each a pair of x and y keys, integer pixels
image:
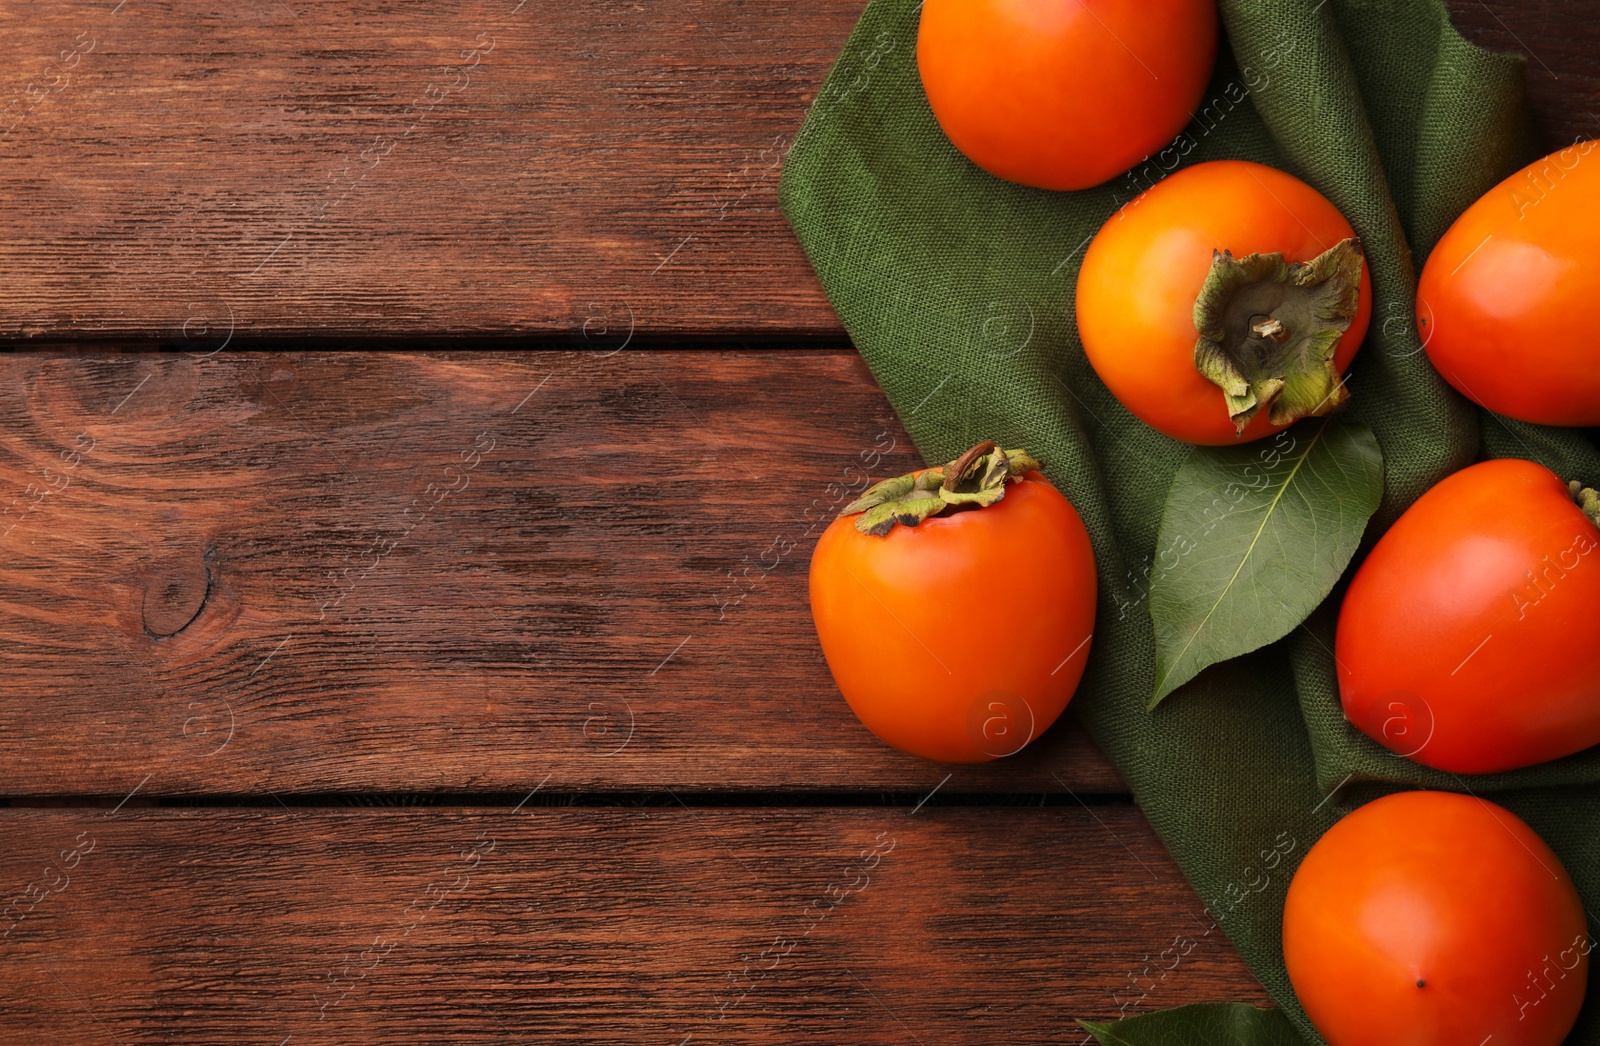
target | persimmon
[
  {"x": 1468, "y": 639},
  {"x": 1435, "y": 919},
  {"x": 1064, "y": 94},
  {"x": 1504, "y": 299},
  {"x": 1224, "y": 303},
  {"x": 955, "y": 606}
]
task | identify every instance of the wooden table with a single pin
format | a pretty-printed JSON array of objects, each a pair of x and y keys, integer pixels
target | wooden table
[{"x": 451, "y": 695}]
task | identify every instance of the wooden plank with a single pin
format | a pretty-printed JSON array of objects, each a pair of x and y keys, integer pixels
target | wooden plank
[
  {"x": 201, "y": 170},
  {"x": 440, "y": 572},
  {"x": 573, "y": 925},
  {"x": 1562, "y": 42},
  {"x": 338, "y": 166}
]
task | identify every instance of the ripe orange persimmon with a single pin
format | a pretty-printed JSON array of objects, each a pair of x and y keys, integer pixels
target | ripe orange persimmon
[
  {"x": 1468, "y": 639},
  {"x": 1504, "y": 299},
  {"x": 1224, "y": 303},
  {"x": 955, "y": 614},
  {"x": 1064, "y": 94},
  {"x": 1435, "y": 919}
]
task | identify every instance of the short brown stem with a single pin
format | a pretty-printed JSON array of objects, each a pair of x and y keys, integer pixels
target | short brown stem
[
  {"x": 958, "y": 468},
  {"x": 1270, "y": 328}
]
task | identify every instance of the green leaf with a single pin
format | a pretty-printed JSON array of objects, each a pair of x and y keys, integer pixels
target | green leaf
[
  {"x": 1204, "y": 1024},
  {"x": 1252, "y": 538}
]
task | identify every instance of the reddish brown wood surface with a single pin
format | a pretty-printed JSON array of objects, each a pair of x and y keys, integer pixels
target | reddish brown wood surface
[
  {"x": 195, "y": 170},
  {"x": 469, "y": 166},
  {"x": 1562, "y": 42},
  {"x": 559, "y": 925},
  {"x": 447, "y": 572}
]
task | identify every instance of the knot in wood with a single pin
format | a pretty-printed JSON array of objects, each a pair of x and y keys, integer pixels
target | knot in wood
[{"x": 175, "y": 594}]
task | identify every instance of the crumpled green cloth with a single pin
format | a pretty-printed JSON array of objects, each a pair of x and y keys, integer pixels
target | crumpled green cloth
[{"x": 957, "y": 288}]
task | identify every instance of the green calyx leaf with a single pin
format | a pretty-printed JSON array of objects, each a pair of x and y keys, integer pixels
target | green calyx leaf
[
  {"x": 904, "y": 499},
  {"x": 1586, "y": 499},
  {"x": 977, "y": 479},
  {"x": 1203, "y": 1024},
  {"x": 1268, "y": 330},
  {"x": 1253, "y": 538}
]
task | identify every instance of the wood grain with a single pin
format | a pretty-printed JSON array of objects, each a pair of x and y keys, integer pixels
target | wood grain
[
  {"x": 550, "y": 924},
  {"x": 1562, "y": 42},
  {"x": 204, "y": 171},
  {"x": 326, "y": 167},
  {"x": 446, "y": 572}
]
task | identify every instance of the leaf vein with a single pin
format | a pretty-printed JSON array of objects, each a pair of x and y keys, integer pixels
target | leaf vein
[{"x": 1266, "y": 517}]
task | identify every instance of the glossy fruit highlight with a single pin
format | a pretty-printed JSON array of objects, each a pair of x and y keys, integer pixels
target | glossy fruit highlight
[
  {"x": 1435, "y": 919},
  {"x": 1064, "y": 94},
  {"x": 1506, "y": 300},
  {"x": 956, "y": 614}
]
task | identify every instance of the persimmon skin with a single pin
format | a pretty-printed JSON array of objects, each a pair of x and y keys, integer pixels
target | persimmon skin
[
  {"x": 1145, "y": 267},
  {"x": 1435, "y": 919},
  {"x": 1506, "y": 304},
  {"x": 926, "y": 627},
  {"x": 1468, "y": 639},
  {"x": 1064, "y": 94}
]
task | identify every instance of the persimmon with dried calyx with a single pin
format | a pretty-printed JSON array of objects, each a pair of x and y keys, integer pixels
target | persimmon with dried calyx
[
  {"x": 1505, "y": 298},
  {"x": 1468, "y": 639},
  {"x": 1064, "y": 94},
  {"x": 1435, "y": 919},
  {"x": 1224, "y": 303},
  {"x": 955, "y": 605}
]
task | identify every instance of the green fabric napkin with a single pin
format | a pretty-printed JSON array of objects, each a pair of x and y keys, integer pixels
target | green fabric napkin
[{"x": 957, "y": 288}]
